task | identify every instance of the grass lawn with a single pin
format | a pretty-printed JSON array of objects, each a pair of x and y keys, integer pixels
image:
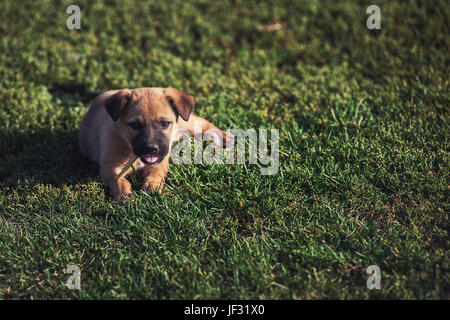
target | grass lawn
[{"x": 364, "y": 151}]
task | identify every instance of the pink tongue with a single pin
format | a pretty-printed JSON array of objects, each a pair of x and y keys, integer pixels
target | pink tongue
[{"x": 151, "y": 159}]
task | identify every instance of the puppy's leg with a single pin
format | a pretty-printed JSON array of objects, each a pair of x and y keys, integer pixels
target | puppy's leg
[
  {"x": 121, "y": 189},
  {"x": 196, "y": 126},
  {"x": 154, "y": 176}
]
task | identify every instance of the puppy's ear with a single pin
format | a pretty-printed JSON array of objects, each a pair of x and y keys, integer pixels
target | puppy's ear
[
  {"x": 117, "y": 102},
  {"x": 181, "y": 102}
]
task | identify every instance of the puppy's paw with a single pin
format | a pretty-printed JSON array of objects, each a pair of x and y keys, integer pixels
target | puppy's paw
[
  {"x": 155, "y": 187},
  {"x": 228, "y": 139},
  {"x": 219, "y": 137},
  {"x": 123, "y": 197}
]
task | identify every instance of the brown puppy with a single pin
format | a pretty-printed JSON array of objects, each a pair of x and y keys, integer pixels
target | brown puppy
[{"x": 143, "y": 122}]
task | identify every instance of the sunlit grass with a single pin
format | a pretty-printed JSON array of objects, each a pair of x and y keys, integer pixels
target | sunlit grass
[{"x": 363, "y": 177}]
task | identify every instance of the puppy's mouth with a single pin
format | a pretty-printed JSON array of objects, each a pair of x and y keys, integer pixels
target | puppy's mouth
[{"x": 151, "y": 160}]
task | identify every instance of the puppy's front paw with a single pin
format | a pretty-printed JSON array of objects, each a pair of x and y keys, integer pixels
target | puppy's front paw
[
  {"x": 121, "y": 197},
  {"x": 153, "y": 186}
]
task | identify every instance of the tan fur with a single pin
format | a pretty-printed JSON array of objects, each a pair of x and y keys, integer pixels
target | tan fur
[{"x": 109, "y": 142}]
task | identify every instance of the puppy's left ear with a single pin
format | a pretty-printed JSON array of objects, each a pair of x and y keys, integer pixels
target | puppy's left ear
[
  {"x": 117, "y": 102},
  {"x": 181, "y": 102}
]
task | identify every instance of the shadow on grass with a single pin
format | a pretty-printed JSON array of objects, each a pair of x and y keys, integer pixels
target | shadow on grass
[
  {"x": 71, "y": 94},
  {"x": 43, "y": 156}
]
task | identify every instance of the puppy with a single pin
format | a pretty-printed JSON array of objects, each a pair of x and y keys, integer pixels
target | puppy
[{"x": 144, "y": 122}]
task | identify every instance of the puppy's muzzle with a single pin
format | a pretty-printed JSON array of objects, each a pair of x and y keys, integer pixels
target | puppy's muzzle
[{"x": 151, "y": 150}]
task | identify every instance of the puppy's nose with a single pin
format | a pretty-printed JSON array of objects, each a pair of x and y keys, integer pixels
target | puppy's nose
[{"x": 152, "y": 148}]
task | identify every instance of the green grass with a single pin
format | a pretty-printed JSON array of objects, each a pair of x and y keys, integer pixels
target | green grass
[{"x": 364, "y": 139}]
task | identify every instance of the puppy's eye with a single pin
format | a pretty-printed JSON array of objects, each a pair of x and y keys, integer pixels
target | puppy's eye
[
  {"x": 165, "y": 124},
  {"x": 135, "y": 125}
]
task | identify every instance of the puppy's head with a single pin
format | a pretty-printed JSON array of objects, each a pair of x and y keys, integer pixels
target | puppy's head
[{"x": 148, "y": 117}]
